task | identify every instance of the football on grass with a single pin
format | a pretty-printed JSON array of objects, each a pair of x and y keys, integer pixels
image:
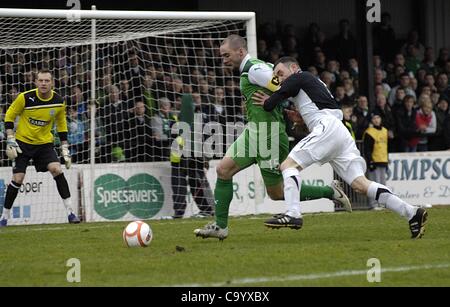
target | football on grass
[{"x": 137, "y": 234}]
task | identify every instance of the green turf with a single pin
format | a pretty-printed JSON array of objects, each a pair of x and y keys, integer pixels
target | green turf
[{"x": 328, "y": 243}]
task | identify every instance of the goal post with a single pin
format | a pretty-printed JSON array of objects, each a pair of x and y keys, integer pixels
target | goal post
[{"x": 107, "y": 65}]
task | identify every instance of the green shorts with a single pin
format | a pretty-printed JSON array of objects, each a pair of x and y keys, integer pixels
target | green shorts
[{"x": 268, "y": 153}]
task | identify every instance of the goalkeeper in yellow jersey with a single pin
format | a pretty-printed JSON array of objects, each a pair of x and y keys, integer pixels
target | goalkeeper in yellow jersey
[{"x": 39, "y": 109}]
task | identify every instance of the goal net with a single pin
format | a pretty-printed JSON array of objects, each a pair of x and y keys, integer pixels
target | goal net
[{"x": 144, "y": 71}]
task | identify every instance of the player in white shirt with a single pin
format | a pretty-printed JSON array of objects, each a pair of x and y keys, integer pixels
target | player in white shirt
[{"x": 328, "y": 142}]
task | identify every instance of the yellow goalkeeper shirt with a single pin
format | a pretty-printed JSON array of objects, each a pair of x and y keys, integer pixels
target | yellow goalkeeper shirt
[{"x": 37, "y": 117}]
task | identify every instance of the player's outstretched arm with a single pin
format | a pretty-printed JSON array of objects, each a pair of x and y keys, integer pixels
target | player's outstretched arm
[{"x": 290, "y": 88}]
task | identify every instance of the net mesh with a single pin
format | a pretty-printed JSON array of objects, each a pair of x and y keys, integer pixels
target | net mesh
[{"x": 144, "y": 70}]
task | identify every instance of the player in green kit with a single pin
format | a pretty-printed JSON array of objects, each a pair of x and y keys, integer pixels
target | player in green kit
[{"x": 256, "y": 76}]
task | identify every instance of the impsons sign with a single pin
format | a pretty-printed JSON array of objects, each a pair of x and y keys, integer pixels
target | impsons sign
[{"x": 421, "y": 178}]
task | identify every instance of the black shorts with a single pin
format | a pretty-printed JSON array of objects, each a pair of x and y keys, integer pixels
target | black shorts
[{"x": 42, "y": 156}]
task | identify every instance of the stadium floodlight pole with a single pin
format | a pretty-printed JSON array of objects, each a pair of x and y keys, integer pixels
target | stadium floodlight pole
[{"x": 93, "y": 109}]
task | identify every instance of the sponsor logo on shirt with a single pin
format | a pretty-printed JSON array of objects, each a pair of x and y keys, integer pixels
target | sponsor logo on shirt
[{"x": 37, "y": 122}]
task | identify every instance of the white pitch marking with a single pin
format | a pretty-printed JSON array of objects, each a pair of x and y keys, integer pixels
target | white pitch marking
[{"x": 243, "y": 281}]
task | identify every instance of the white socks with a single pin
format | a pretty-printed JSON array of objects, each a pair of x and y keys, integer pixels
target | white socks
[
  {"x": 292, "y": 186},
  {"x": 6, "y": 214},
  {"x": 381, "y": 194},
  {"x": 68, "y": 204}
]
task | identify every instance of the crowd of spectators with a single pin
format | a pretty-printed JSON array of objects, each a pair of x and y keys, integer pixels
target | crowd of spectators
[
  {"x": 141, "y": 83},
  {"x": 412, "y": 91}
]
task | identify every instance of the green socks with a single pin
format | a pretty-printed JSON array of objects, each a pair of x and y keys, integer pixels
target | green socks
[
  {"x": 310, "y": 192},
  {"x": 223, "y": 194}
]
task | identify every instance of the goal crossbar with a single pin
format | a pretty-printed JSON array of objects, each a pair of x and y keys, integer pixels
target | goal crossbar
[{"x": 109, "y": 14}]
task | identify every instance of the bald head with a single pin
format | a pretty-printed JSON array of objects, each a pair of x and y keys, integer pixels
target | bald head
[
  {"x": 235, "y": 42},
  {"x": 233, "y": 50}
]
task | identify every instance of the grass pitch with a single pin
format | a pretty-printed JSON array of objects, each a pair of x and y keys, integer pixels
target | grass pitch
[{"x": 330, "y": 250}]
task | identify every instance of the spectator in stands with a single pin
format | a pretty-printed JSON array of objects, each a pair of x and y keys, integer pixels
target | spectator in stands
[
  {"x": 140, "y": 143},
  {"x": 400, "y": 60},
  {"x": 379, "y": 90},
  {"x": 348, "y": 119},
  {"x": 327, "y": 78},
  {"x": 379, "y": 79},
  {"x": 430, "y": 81},
  {"x": 333, "y": 69},
  {"x": 274, "y": 54},
  {"x": 211, "y": 77},
  {"x": 442, "y": 86},
  {"x": 320, "y": 62},
  {"x": 78, "y": 101},
  {"x": 290, "y": 41},
  {"x": 447, "y": 68},
  {"x": 263, "y": 51},
  {"x": 103, "y": 89},
  {"x": 11, "y": 95},
  {"x": 161, "y": 124},
  {"x": 344, "y": 74},
  {"x": 405, "y": 83},
  {"x": 126, "y": 95},
  {"x": 384, "y": 38},
  {"x": 420, "y": 75},
  {"x": 341, "y": 97},
  {"x": 428, "y": 63},
  {"x": 413, "y": 41},
  {"x": 443, "y": 58},
  {"x": 437, "y": 141},
  {"x": 387, "y": 117},
  {"x": 425, "y": 122},
  {"x": 426, "y": 90},
  {"x": 384, "y": 110},
  {"x": 361, "y": 112},
  {"x": 375, "y": 152},
  {"x": 134, "y": 72},
  {"x": 77, "y": 136},
  {"x": 313, "y": 70},
  {"x": 349, "y": 89},
  {"x": 399, "y": 97},
  {"x": 29, "y": 80},
  {"x": 310, "y": 41},
  {"x": 148, "y": 95},
  {"x": 205, "y": 93},
  {"x": 115, "y": 117},
  {"x": 353, "y": 68},
  {"x": 406, "y": 126},
  {"x": 267, "y": 32},
  {"x": 62, "y": 83},
  {"x": 413, "y": 60},
  {"x": 216, "y": 111},
  {"x": 344, "y": 44},
  {"x": 378, "y": 64},
  {"x": 175, "y": 91},
  {"x": 414, "y": 85}
]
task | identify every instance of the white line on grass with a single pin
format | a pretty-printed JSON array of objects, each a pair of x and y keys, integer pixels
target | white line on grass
[{"x": 256, "y": 280}]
